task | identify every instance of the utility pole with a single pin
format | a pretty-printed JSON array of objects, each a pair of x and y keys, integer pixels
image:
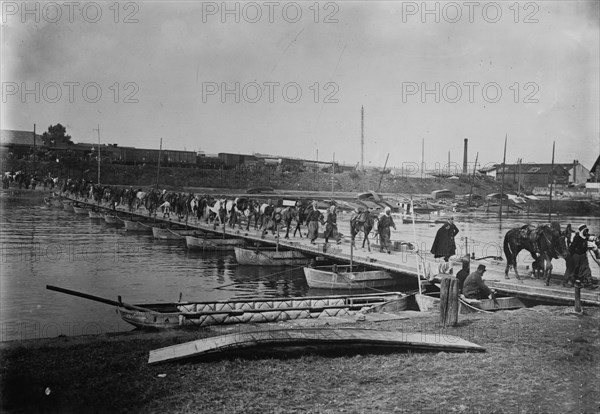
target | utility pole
[
  {"x": 502, "y": 186},
  {"x": 158, "y": 168},
  {"x": 551, "y": 183},
  {"x": 98, "y": 129},
  {"x": 362, "y": 138}
]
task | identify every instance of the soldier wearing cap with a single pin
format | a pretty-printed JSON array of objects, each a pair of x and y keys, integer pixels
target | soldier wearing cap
[
  {"x": 463, "y": 273},
  {"x": 474, "y": 286}
]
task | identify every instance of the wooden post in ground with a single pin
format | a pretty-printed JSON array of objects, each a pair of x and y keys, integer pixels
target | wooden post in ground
[
  {"x": 449, "y": 301},
  {"x": 577, "y": 298}
]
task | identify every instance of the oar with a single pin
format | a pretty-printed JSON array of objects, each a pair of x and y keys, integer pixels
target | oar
[{"x": 97, "y": 298}]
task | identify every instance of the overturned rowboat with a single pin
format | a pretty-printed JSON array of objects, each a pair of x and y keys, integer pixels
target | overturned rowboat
[
  {"x": 251, "y": 310},
  {"x": 212, "y": 242},
  {"x": 357, "y": 340},
  {"x": 265, "y": 256},
  {"x": 341, "y": 277}
]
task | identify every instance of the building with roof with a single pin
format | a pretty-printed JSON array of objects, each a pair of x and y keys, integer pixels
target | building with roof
[{"x": 530, "y": 175}]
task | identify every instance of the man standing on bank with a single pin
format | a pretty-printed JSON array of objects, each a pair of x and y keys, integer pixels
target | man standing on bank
[
  {"x": 383, "y": 228},
  {"x": 444, "y": 244}
]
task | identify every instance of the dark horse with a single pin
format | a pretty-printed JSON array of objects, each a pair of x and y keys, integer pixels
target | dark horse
[
  {"x": 363, "y": 221},
  {"x": 544, "y": 243}
]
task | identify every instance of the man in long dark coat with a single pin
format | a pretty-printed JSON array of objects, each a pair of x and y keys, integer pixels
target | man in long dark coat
[{"x": 444, "y": 244}]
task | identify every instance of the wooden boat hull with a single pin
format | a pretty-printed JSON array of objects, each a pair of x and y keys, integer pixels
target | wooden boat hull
[
  {"x": 169, "y": 234},
  {"x": 212, "y": 243},
  {"x": 95, "y": 215},
  {"x": 427, "y": 303},
  {"x": 326, "y": 279},
  {"x": 356, "y": 339},
  {"x": 67, "y": 206},
  {"x": 182, "y": 314},
  {"x": 80, "y": 210},
  {"x": 136, "y": 226},
  {"x": 110, "y": 219},
  {"x": 270, "y": 257}
]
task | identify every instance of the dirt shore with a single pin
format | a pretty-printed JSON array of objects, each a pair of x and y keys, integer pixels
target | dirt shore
[{"x": 538, "y": 360}]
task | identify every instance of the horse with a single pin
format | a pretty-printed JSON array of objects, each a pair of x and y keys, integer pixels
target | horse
[
  {"x": 289, "y": 214},
  {"x": 301, "y": 215},
  {"x": 364, "y": 222},
  {"x": 544, "y": 243},
  {"x": 216, "y": 210}
]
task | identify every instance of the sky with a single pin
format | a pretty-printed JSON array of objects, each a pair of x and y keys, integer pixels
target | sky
[{"x": 290, "y": 78}]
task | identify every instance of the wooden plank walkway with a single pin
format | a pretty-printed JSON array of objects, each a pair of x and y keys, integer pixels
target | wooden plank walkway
[{"x": 403, "y": 264}]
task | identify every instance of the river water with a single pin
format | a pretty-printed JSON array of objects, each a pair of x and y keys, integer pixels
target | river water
[{"x": 42, "y": 245}]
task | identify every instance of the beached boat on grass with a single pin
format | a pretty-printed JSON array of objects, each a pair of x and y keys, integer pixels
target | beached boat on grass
[
  {"x": 270, "y": 256},
  {"x": 250, "y": 310},
  {"x": 340, "y": 277},
  {"x": 212, "y": 242}
]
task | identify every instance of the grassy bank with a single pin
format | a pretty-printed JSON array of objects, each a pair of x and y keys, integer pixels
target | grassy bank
[{"x": 538, "y": 360}]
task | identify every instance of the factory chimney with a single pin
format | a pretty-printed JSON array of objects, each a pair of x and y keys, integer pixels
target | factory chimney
[{"x": 465, "y": 170}]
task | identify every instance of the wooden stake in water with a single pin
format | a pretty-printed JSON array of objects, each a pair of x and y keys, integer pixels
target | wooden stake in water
[
  {"x": 412, "y": 212},
  {"x": 502, "y": 186}
]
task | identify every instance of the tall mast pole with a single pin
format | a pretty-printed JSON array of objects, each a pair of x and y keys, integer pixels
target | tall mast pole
[
  {"x": 502, "y": 185},
  {"x": 362, "y": 138},
  {"x": 473, "y": 180},
  {"x": 34, "y": 151},
  {"x": 422, "y": 157},
  {"x": 98, "y": 129},
  {"x": 332, "y": 172}
]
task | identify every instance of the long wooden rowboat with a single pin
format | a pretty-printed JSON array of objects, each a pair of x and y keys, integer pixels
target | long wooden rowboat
[
  {"x": 426, "y": 303},
  {"x": 137, "y": 226},
  {"x": 251, "y": 310},
  {"x": 340, "y": 279},
  {"x": 80, "y": 210},
  {"x": 212, "y": 243},
  {"x": 173, "y": 234},
  {"x": 357, "y": 339},
  {"x": 270, "y": 257}
]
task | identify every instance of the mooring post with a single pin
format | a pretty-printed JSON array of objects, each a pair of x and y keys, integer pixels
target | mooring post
[
  {"x": 577, "y": 297},
  {"x": 449, "y": 301}
]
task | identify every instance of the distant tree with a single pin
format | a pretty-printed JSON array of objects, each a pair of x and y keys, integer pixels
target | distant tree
[{"x": 56, "y": 136}]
